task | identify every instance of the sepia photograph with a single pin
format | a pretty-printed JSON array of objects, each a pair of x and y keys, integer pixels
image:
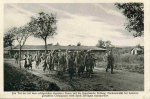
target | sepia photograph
[{"x": 73, "y": 47}]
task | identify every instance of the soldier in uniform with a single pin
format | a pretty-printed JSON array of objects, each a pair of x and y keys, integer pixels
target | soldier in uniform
[
  {"x": 28, "y": 61},
  {"x": 56, "y": 60},
  {"x": 16, "y": 56},
  {"x": 37, "y": 58},
  {"x": 80, "y": 63},
  {"x": 88, "y": 63},
  {"x": 48, "y": 60},
  {"x": 43, "y": 61},
  {"x": 110, "y": 61},
  {"x": 25, "y": 63},
  {"x": 52, "y": 59},
  {"x": 71, "y": 63},
  {"x": 62, "y": 62},
  {"x": 66, "y": 56},
  {"x": 94, "y": 61}
]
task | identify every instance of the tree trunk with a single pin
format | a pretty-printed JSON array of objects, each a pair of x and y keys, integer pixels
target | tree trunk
[
  {"x": 45, "y": 46},
  {"x": 20, "y": 57},
  {"x": 11, "y": 52}
]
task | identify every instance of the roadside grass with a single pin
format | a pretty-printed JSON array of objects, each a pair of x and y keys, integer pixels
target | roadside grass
[
  {"x": 16, "y": 79},
  {"x": 126, "y": 62}
]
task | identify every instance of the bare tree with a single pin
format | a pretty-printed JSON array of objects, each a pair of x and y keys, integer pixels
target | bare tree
[
  {"x": 45, "y": 26},
  {"x": 21, "y": 35}
]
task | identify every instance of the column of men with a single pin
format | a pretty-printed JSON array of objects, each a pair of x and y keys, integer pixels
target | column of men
[
  {"x": 72, "y": 61},
  {"x": 69, "y": 60}
]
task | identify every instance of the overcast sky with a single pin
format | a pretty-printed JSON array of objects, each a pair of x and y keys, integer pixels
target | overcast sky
[{"x": 85, "y": 23}]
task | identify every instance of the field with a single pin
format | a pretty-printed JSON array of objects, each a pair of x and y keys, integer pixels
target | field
[{"x": 123, "y": 60}]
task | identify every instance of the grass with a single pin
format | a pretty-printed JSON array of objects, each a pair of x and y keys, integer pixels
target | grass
[
  {"x": 16, "y": 79},
  {"x": 126, "y": 61}
]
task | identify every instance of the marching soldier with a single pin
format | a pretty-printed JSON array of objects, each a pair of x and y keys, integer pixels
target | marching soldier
[
  {"x": 16, "y": 56},
  {"x": 94, "y": 61},
  {"x": 48, "y": 61},
  {"x": 52, "y": 59},
  {"x": 88, "y": 63},
  {"x": 71, "y": 63},
  {"x": 110, "y": 61},
  {"x": 30, "y": 61},
  {"x": 43, "y": 61},
  {"x": 56, "y": 60},
  {"x": 66, "y": 56},
  {"x": 37, "y": 58},
  {"x": 80, "y": 63},
  {"x": 62, "y": 62}
]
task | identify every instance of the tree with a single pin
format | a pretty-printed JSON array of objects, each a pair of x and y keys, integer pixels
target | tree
[
  {"x": 21, "y": 35},
  {"x": 51, "y": 44},
  {"x": 107, "y": 44},
  {"x": 78, "y": 44},
  {"x": 9, "y": 39},
  {"x": 139, "y": 46},
  {"x": 101, "y": 44},
  {"x": 135, "y": 16},
  {"x": 45, "y": 27},
  {"x": 57, "y": 44}
]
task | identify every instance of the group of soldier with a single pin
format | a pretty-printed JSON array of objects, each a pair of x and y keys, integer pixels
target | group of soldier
[
  {"x": 62, "y": 61},
  {"x": 71, "y": 61}
]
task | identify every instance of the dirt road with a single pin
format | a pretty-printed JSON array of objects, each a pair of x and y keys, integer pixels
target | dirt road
[{"x": 100, "y": 80}]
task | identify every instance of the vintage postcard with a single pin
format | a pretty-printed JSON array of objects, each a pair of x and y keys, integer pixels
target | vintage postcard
[{"x": 75, "y": 49}]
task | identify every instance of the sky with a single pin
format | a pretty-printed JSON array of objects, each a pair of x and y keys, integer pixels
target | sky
[{"x": 77, "y": 22}]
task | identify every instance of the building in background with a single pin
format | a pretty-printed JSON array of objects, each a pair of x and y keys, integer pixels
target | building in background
[
  {"x": 137, "y": 51},
  {"x": 32, "y": 49}
]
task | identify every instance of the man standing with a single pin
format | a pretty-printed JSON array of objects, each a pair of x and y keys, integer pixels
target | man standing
[
  {"x": 89, "y": 63},
  {"x": 71, "y": 64},
  {"x": 16, "y": 56},
  {"x": 80, "y": 63},
  {"x": 110, "y": 61},
  {"x": 37, "y": 58}
]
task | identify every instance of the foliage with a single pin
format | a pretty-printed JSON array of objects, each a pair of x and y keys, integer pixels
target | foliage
[
  {"x": 78, "y": 44},
  {"x": 57, "y": 44},
  {"x": 45, "y": 26},
  {"x": 135, "y": 16},
  {"x": 21, "y": 34},
  {"x": 16, "y": 79},
  {"x": 100, "y": 44},
  {"x": 8, "y": 38},
  {"x": 107, "y": 44},
  {"x": 103, "y": 44}
]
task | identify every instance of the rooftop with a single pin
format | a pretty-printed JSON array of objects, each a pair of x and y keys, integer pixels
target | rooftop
[{"x": 52, "y": 47}]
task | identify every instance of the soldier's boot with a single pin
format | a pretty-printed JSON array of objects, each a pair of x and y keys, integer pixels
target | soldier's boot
[
  {"x": 106, "y": 69},
  {"x": 70, "y": 77},
  {"x": 79, "y": 73},
  {"x": 92, "y": 70},
  {"x": 86, "y": 73},
  {"x": 31, "y": 67},
  {"x": 112, "y": 71}
]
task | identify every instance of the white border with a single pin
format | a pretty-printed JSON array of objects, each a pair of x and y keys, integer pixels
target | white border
[{"x": 142, "y": 94}]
